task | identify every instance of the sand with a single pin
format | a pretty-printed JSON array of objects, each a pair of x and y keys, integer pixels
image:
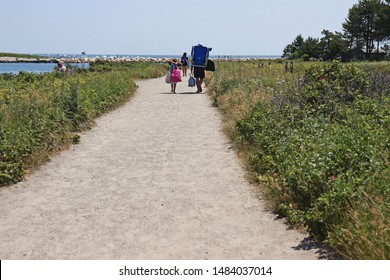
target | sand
[{"x": 155, "y": 179}]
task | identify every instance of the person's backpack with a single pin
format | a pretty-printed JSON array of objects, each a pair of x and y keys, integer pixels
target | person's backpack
[
  {"x": 184, "y": 61},
  {"x": 210, "y": 65}
]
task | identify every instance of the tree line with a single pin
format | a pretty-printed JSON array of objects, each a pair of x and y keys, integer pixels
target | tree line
[{"x": 365, "y": 34}]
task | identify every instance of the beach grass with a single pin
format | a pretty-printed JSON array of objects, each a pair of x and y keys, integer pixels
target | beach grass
[
  {"x": 317, "y": 142},
  {"x": 41, "y": 114}
]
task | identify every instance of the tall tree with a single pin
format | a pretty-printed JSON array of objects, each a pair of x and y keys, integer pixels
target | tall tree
[
  {"x": 363, "y": 23},
  {"x": 287, "y": 51},
  {"x": 333, "y": 45},
  {"x": 351, "y": 27},
  {"x": 311, "y": 48},
  {"x": 294, "y": 50},
  {"x": 384, "y": 21}
]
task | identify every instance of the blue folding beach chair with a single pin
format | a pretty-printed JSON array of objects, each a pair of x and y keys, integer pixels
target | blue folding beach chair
[{"x": 200, "y": 55}]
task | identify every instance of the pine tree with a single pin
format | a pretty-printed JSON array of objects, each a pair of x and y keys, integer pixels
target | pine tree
[{"x": 363, "y": 24}]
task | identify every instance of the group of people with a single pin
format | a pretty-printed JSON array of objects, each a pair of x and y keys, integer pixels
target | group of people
[{"x": 174, "y": 70}]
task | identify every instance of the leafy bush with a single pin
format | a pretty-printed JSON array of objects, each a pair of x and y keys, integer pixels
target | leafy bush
[{"x": 319, "y": 145}]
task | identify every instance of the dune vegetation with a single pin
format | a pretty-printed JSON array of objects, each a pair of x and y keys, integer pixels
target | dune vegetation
[
  {"x": 41, "y": 114},
  {"x": 316, "y": 138}
]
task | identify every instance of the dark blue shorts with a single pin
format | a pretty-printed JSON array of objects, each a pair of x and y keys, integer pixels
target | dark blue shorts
[{"x": 199, "y": 72}]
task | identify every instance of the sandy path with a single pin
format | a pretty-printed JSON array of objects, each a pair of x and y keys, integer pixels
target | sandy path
[{"x": 156, "y": 179}]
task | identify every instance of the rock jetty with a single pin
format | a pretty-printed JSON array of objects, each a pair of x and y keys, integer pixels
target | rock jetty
[
  {"x": 7, "y": 59},
  {"x": 83, "y": 60},
  {"x": 109, "y": 59}
]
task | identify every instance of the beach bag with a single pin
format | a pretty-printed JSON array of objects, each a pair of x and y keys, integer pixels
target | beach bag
[
  {"x": 191, "y": 81},
  {"x": 168, "y": 77},
  {"x": 210, "y": 65},
  {"x": 176, "y": 75}
]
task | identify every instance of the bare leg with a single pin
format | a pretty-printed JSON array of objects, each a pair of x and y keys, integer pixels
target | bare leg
[{"x": 199, "y": 82}]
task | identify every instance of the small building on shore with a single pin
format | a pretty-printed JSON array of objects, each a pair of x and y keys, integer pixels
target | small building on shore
[{"x": 361, "y": 54}]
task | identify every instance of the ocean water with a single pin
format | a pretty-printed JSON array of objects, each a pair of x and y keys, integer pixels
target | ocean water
[{"x": 15, "y": 68}]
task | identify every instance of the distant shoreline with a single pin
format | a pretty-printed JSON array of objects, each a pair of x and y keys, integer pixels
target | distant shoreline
[
  {"x": 7, "y": 59},
  {"x": 155, "y": 58}
]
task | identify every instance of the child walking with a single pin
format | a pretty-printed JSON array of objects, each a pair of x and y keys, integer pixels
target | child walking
[{"x": 174, "y": 71}]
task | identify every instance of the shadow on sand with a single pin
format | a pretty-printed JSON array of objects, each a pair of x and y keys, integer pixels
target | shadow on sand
[
  {"x": 309, "y": 244},
  {"x": 324, "y": 253},
  {"x": 186, "y": 92}
]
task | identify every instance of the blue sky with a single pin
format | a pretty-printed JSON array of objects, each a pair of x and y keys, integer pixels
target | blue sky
[{"x": 239, "y": 27}]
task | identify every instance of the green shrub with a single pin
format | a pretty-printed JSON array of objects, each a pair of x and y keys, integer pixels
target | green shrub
[{"x": 319, "y": 145}]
